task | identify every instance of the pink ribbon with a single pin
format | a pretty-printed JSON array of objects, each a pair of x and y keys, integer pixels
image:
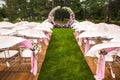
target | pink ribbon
[
  {"x": 28, "y": 44},
  {"x": 33, "y": 64},
  {"x": 87, "y": 46},
  {"x": 100, "y": 72}
]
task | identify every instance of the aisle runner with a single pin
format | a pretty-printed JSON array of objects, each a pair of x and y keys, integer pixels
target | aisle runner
[{"x": 64, "y": 60}]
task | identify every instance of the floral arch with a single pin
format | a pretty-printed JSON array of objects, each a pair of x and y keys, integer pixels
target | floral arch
[{"x": 71, "y": 18}]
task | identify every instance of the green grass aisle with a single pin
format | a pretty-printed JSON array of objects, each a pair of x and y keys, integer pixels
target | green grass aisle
[{"x": 64, "y": 60}]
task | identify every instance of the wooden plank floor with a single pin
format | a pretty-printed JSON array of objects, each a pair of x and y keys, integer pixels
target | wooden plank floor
[
  {"x": 22, "y": 71},
  {"x": 92, "y": 65}
]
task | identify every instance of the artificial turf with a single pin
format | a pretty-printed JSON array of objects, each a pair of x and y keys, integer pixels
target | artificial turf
[{"x": 64, "y": 60}]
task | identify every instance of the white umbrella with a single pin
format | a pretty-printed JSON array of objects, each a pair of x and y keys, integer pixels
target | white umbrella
[
  {"x": 43, "y": 28},
  {"x": 75, "y": 24},
  {"x": 6, "y": 31},
  {"x": 6, "y": 25},
  {"x": 32, "y": 24},
  {"x": 115, "y": 40},
  {"x": 102, "y": 46},
  {"x": 91, "y": 34},
  {"x": 112, "y": 34},
  {"x": 20, "y": 27},
  {"x": 113, "y": 27},
  {"x": 9, "y": 41},
  {"x": 85, "y": 25},
  {"x": 46, "y": 24},
  {"x": 21, "y": 23},
  {"x": 33, "y": 33}
]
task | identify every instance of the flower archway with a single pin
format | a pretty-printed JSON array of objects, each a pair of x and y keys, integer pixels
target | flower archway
[{"x": 71, "y": 18}]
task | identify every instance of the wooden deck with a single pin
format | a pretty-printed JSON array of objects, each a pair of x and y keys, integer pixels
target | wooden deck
[{"x": 22, "y": 71}]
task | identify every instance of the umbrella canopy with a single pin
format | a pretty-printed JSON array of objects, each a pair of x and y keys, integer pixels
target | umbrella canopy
[
  {"x": 113, "y": 27},
  {"x": 9, "y": 41},
  {"x": 20, "y": 27},
  {"x": 115, "y": 40},
  {"x": 112, "y": 34},
  {"x": 32, "y": 24},
  {"x": 6, "y": 31},
  {"x": 46, "y": 24},
  {"x": 33, "y": 33},
  {"x": 6, "y": 25},
  {"x": 21, "y": 23},
  {"x": 91, "y": 34},
  {"x": 85, "y": 25},
  {"x": 43, "y": 28},
  {"x": 102, "y": 46}
]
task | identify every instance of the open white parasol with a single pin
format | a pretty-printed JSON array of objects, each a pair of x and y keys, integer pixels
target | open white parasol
[
  {"x": 6, "y": 31},
  {"x": 6, "y": 25},
  {"x": 33, "y": 33},
  {"x": 9, "y": 41},
  {"x": 102, "y": 46}
]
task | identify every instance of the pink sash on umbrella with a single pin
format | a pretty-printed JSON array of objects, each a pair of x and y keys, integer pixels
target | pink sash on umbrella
[
  {"x": 100, "y": 72},
  {"x": 87, "y": 46},
  {"x": 80, "y": 41},
  {"x": 28, "y": 45}
]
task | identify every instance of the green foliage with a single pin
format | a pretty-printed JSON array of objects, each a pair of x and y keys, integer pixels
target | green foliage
[
  {"x": 64, "y": 60},
  {"x": 39, "y": 9}
]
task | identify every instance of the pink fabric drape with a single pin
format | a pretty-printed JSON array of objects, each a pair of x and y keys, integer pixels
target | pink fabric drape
[
  {"x": 33, "y": 64},
  {"x": 101, "y": 65},
  {"x": 28, "y": 44},
  {"x": 87, "y": 46},
  {"x": 100, "y": 72},
  {"x": 80, "y": 41},
  {"x": 46, "y": 41}
]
